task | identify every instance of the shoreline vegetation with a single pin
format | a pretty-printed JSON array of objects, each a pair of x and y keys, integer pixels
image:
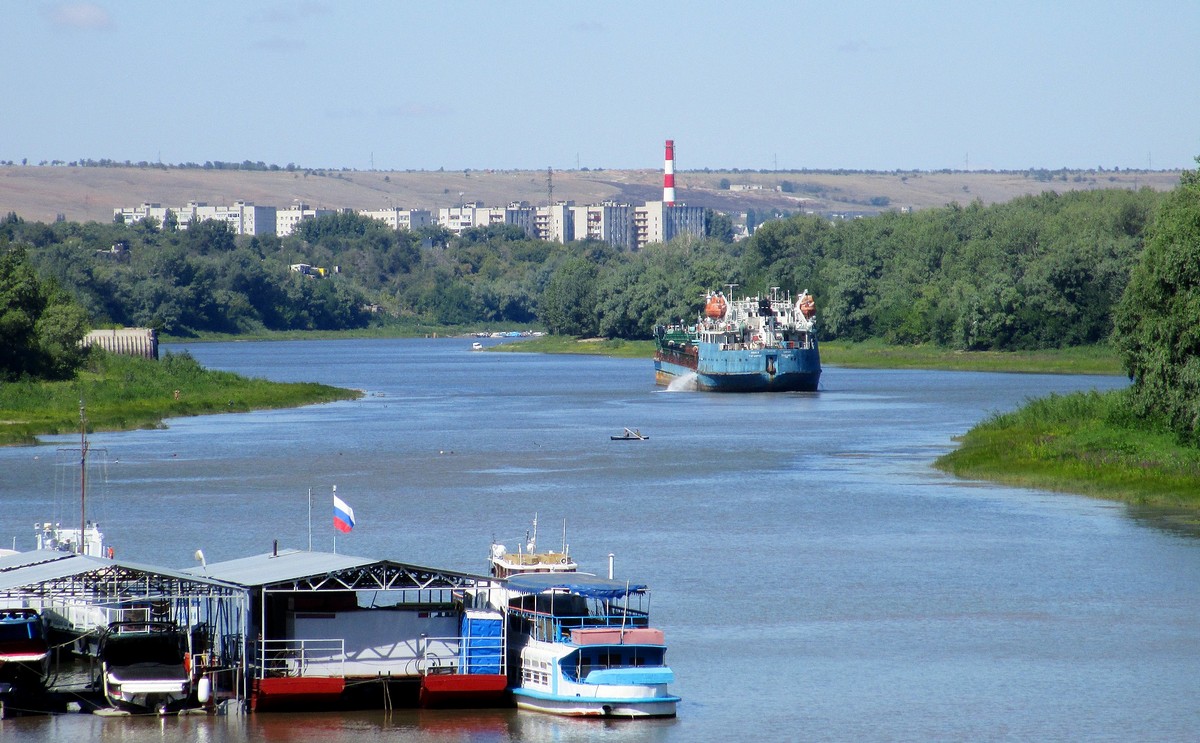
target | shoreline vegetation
[
  {"x": 1085, "y": 443},
  {"x": 121, "y": 393},
  {"x": 1099, "y": 359}
]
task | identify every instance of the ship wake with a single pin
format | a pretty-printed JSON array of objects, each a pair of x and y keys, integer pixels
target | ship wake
[{"x": 687, "y": 383}]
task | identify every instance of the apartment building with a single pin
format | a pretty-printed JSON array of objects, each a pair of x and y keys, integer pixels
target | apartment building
[
  {"x": 287, "y": 219},
  {"x": 660, "y": 222},
  {"x": 400, "y": 219},
  {"x": 244, "y": 218},
  {"x": 474, "y": 214}
]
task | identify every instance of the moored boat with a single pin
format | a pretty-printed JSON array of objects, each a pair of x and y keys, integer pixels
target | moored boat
[
  {"x": 24, "y": 650},
  {"x": 503, "y": 563},
  {"x": 752, "y": 344},
  {"x": 143, "y": 666},
  {"x": 582, "y": 646}
]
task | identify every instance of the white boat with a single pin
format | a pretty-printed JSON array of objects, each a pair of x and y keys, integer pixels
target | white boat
[
  {"x": 143, "y": 666},
  {"x": 583, "y": 646},
  {"x": 55, "y": 536},
  {"x": 527, "y": 559},
  {"x": 476, "y": 346}
]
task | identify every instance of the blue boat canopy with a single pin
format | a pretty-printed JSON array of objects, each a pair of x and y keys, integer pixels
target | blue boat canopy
[{"x": 581, "y": 584}]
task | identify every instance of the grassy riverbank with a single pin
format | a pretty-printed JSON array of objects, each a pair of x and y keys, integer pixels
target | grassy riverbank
[
  {"x": 873, "y": 355},
  {"x": 122, "y": 393},
  {"x": 1100, "y": 359},
  {"x": 1081, "y": 443},
  {"x": 589, "y": 346},
  {"x": 396, "y": 329}
]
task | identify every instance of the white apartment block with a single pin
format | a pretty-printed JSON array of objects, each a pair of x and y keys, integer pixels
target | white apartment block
[
  {"x": 555, "y": 222},
  {"x": 608, "y": 222},
  {"x": 400, "y": 219},
  {"x": 242, "y": 217},
  {"x": 659, "y": 222},
  {"x": 620, "y": 225},
  {"x": 474, "y": 214},
  {"x": 287, "y": 219}
]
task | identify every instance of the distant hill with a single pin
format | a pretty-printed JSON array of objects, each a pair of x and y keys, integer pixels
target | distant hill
[{"x": 80, "y": 194}]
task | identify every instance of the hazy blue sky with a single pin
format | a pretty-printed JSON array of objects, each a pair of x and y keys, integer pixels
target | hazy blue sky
[{"x": 398, "y": 85}]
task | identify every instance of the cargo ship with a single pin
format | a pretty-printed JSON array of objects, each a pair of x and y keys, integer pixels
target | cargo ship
[{"x": 752, "y": 344}]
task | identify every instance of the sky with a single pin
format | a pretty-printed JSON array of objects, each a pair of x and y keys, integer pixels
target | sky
[{"x": 394, "y": 85}]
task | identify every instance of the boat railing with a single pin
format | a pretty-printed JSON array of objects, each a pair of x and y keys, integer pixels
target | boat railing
[
  {"x": 302, "y": 658},
  {"x": 549, "y": 627},
  {"x": 453, "y": 656}
]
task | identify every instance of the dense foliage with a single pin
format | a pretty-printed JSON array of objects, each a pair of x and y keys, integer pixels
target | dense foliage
[
  {"x": 1158, "y": 318},
  {"x": 1039, "y": 272},
  {"x": 40, "y": 327}
]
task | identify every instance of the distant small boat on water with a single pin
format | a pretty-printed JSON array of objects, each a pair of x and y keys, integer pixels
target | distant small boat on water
[{"x": 631, "y": 434}]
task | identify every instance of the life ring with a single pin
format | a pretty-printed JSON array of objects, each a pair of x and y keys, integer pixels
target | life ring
[
  {"x": 563, "y": 561},
  {"x": 187, "y": 663}
]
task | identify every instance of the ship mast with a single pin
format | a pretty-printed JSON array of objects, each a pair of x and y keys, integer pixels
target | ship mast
[{"x": 83, "y": 451}]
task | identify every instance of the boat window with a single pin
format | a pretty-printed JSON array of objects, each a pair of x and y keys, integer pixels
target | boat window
[{"x": 17, "y": 631}]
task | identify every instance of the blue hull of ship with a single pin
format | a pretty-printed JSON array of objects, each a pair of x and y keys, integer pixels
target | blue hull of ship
[{"x": 746, "y": 370}]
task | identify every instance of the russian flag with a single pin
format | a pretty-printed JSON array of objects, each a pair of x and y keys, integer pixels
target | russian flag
[{"x": 343, "y": 515}]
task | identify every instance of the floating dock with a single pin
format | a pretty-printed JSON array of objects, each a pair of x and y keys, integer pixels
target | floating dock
[{"x": 282, "y": 630}]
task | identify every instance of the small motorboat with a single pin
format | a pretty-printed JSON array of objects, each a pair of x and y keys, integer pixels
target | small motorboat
[
  {"x": 143, "y": 666},
  {"x": 631, "y": 434},
  {"x": 476, "y": 346}
]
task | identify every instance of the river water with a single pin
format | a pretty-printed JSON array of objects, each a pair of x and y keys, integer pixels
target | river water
[{"x": 815, "y": 577}]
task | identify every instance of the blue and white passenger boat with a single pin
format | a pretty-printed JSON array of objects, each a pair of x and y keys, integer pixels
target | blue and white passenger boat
[{"x": 581, "y": 645}]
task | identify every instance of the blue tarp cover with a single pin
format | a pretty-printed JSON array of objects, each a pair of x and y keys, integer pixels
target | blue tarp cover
[{"x": 582, "y": 584}]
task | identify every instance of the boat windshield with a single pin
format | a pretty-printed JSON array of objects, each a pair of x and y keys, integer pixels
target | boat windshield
[
  {"x": 22, "y": 630},
  {"x": 163, "y": 649}
]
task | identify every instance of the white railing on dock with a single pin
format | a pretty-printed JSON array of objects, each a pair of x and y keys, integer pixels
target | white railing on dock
[
  {"x": 302, "y": 658},
  {"x": 444, "y": 655}
]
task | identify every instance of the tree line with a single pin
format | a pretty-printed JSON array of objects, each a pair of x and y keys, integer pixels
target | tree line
[{"x": 1038, "y": 272}]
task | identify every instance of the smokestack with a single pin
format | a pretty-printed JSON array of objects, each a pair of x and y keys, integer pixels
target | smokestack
[{"x": 669, "y": 175}]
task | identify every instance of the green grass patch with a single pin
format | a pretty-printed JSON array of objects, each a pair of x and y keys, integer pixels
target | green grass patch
[
  {"x": 122, "y": 393},
  {"x": 1098, "y": 359},
  {"x": 394, "y": 329},
  {"x": 591, "y": 346},
  {"x": 1081, "y": 443}
]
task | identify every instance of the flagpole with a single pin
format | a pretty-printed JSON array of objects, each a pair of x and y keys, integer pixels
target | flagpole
[
  {"x": 335, "y": 530},
  {"x": 310, "y": 519}
]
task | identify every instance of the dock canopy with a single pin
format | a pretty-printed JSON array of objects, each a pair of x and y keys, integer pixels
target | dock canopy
[{"x": 581, "y": 584}]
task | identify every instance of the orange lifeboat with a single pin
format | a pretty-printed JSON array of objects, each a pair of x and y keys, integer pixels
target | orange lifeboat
[
  {"x": 808, "y": 307},
  {"x": 715, "y": 308}
]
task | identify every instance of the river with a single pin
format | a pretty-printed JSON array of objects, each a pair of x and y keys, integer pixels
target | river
[{"x": 815, "y": 577}]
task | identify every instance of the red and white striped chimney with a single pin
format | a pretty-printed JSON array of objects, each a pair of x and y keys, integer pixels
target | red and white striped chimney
[{"x": 669, "y": 175}]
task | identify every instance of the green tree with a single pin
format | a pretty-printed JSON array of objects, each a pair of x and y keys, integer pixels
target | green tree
[
  {"x": 718, "y": 226},
  {"x": 40, "y": 328},
  {"x": 568, "y": 305},
  {"x": 1157, "y": 328}
]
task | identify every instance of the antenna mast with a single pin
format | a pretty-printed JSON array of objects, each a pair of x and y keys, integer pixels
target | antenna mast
[{"x": 550, "y": 185}]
